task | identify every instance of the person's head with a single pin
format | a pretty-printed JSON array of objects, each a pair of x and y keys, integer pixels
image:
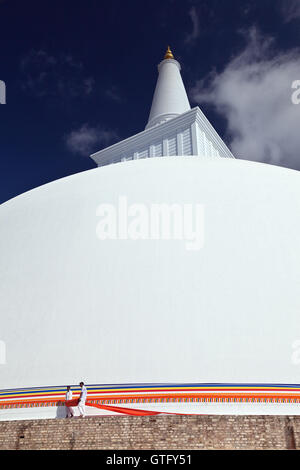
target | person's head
[
  {"x": 81, "y": 384},
  {"x": 68, "y": 388}
]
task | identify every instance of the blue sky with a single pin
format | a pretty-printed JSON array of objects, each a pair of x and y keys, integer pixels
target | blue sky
[{"x": 80, "y": 76}]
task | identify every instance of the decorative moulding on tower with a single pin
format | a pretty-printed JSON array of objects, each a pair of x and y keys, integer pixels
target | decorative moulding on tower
[{"x": 188, "y": 134}]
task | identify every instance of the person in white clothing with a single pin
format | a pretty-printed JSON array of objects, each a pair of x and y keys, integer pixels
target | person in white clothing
[
  {"x": 70, "y": 412},
  {"x": 82, "y": 399}
]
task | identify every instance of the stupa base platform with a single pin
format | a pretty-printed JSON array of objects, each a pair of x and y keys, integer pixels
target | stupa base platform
[{"x": 163, "y": 432}]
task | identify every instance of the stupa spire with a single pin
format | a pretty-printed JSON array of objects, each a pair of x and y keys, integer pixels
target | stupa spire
[{"x": 170, "y": 98}]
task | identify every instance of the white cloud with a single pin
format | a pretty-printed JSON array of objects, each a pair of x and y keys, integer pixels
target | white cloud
[
  {"x": 254, "y": 94},
  {"x": 60, "y": 76},
  {"x": 195, "y": 24},
  {"x": 87, "y": 139},
  {"x": 290, "y": 10},
  {"x": 114, "y": 94},
  {"x": 88, "y": 85}
]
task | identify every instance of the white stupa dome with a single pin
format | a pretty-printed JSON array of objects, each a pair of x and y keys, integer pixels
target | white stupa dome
[{"x": 152, "y": 311}]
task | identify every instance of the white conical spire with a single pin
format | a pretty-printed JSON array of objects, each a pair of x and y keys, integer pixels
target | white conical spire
[{"x": 170, "y": 98}]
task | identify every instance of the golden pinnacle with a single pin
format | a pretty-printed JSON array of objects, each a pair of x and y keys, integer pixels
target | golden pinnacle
[{"x": 168, "y": 54}]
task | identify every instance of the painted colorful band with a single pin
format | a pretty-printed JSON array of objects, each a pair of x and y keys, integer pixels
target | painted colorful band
[{"x": 109, "y": 395}]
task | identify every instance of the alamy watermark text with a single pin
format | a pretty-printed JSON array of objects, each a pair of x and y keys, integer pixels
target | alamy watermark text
[
  {"x": 2, "y": 92},
  {"x": 296, "y": 94},
  {"x": 2, "y": 352},
  {"x": 123, "y": 221}
]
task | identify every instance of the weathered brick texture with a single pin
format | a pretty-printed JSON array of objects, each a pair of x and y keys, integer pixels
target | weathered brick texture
[{"x": 158, "y": 432}]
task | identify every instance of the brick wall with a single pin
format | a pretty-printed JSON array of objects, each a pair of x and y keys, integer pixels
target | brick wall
[{"x": 158, "y": 432}]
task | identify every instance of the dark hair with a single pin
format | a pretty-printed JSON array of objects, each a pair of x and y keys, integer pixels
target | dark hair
[{"x": 81, "y": 383}]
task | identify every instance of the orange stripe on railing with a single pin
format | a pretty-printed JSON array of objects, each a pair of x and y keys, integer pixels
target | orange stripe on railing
[{"x": 154, "y": 392}]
